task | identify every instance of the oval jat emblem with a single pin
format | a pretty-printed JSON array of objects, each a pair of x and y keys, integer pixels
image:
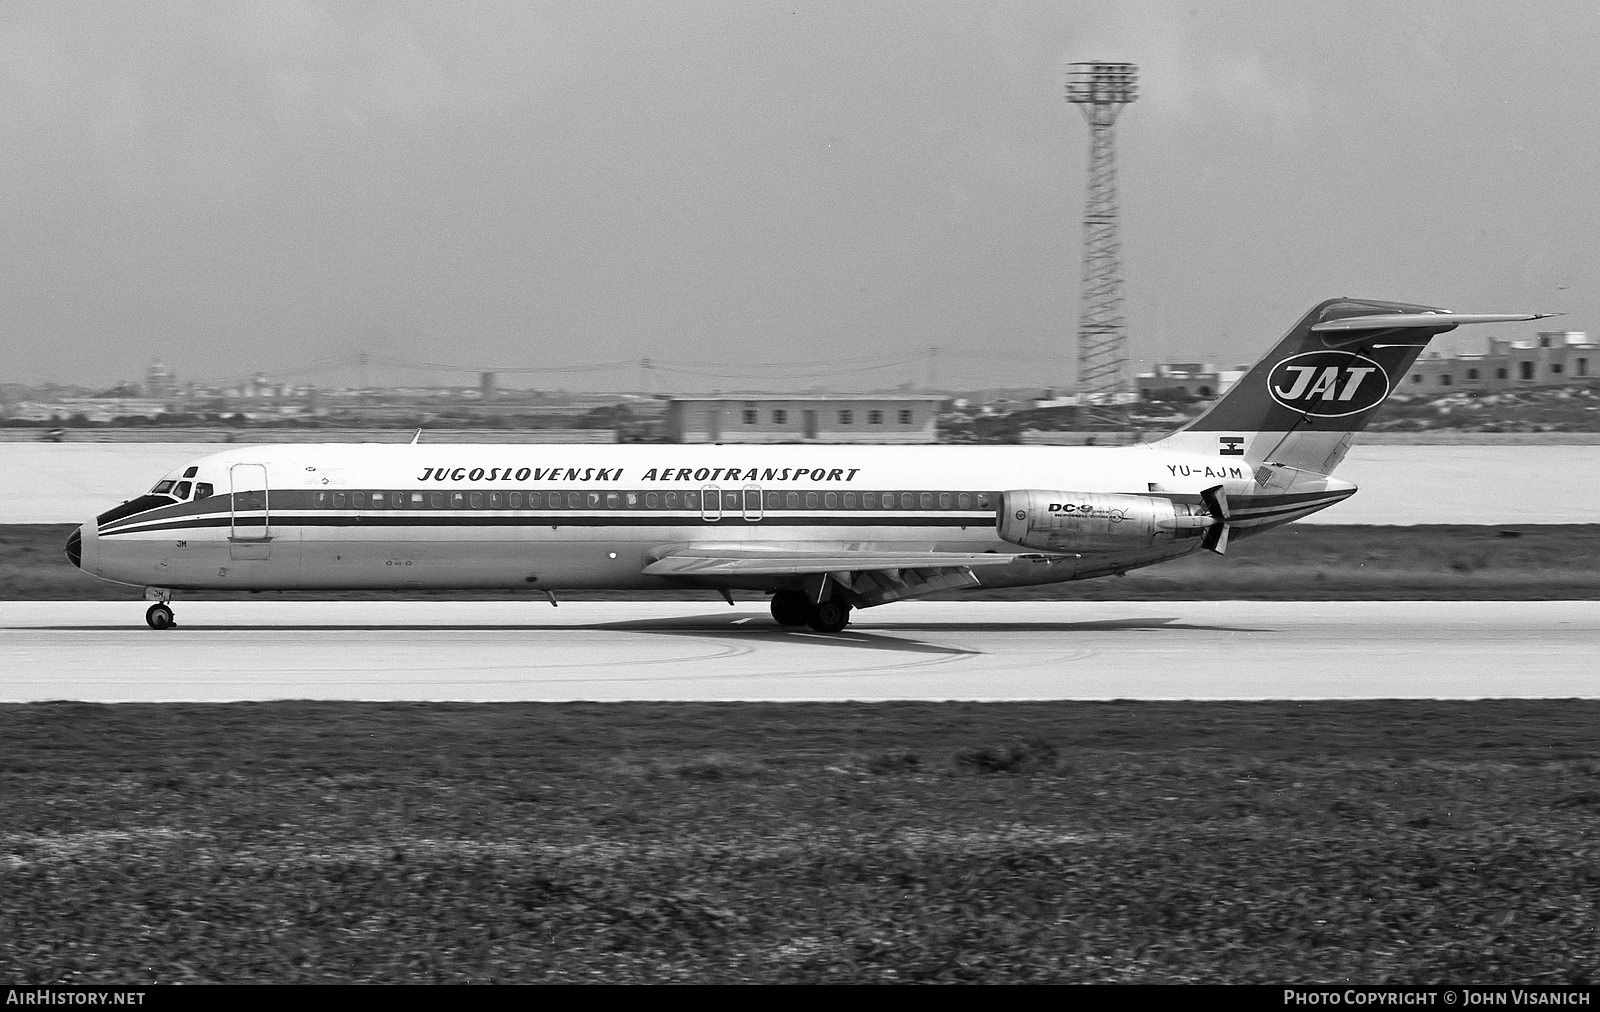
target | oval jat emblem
[{"x": 1328, "y": 384}]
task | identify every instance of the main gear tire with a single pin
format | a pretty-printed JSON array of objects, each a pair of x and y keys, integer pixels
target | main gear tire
[
  {"x": 790, "y": 608},
  {"x": 159, "y": 617},
  {"x": 829, "y": 616}
]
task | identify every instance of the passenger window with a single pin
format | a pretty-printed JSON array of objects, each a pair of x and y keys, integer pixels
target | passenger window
[
  {"x": 888, "y": 500},
  {"x": 496, "y": 501},
  {"x": 575, "y": 500},
  {"x": 983, "y": 500},
  {"x": 944, "y": 500},
  {"x": 792, "y": 500},
  {"x": 202, "y": 490},
  {"x": 436, "y": 499},
  {"x": 475, "y": 499},
  {"x": 633, "y": 500},
  {"x": 672, "y": 500},
  {"x": 811, "y": 500},
  {"x": 650, "y": 500},
  {"x": 183, "y": 489},
  {"x": 555, "y": 500},
  {"x": 730, "y": 500},
  {"x": 691, "y": 500},
  {"x": 320, "y": 500},
  {"x": 906, "y": 501},
  {"x": 358, "y": 500},
  {"x": 830, "y": 500},
  {"x": 849, "y": 500},
  {"x": 377, "y": 500},
  {"x": 416, "y": 499},
  {"x": 612, "y": 499},
  {"x": 338, "y": 500},
  {"x": 516, "y": 500},
  {"x": 458, "y": 500},
  {"x": 964, "y": 501},
  {"x": 594, "y": 500},
  {"x": 926, "y": 500},
  {"x": 869, "y": 500}
]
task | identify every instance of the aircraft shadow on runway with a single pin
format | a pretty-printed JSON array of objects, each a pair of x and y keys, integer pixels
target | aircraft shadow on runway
[
  {"x": 744, "y": 627},
  {"x": 891, "y": 639}
]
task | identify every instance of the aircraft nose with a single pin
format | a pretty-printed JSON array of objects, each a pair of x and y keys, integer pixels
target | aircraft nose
[{"x": 75, "y": 548}]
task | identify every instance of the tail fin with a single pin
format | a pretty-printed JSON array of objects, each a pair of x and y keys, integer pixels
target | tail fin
[{"x": 1302, "y": 404}]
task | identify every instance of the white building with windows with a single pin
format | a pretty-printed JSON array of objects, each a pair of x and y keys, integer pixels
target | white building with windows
[
  {"x": 886, "y": 419},
  {"x": 1553, "y": 359}
]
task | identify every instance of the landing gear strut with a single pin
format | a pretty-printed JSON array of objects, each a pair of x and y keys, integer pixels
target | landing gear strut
[{"x": 159, "y": 616}]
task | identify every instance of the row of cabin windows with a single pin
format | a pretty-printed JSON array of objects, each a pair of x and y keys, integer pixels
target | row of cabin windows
[
  {"x": 732, "y": 499},
  {"x": 1525, "y": 371},
  {"x": 847, "y": 416}
]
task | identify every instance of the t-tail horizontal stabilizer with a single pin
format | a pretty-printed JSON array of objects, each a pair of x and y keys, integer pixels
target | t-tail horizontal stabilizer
[
  {"x": 1431, "y": 319},
  {"x": 1303, "y": 402},
  {"x": 1215, "y": 538}
]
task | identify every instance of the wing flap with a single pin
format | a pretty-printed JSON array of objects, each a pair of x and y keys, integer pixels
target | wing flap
[{"x": 741, "y": 561}]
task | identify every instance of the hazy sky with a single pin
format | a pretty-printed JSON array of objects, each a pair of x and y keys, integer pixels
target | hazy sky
[{"x": 234, "y": 187}]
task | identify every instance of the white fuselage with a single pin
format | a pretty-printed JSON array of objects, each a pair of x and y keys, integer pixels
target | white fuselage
[{"x": 555, "y": 517}]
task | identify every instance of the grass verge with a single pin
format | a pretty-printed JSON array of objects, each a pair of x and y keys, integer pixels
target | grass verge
[
  {"x": 1158, "y": 842},
  {"x": 1303, "y": 562}
]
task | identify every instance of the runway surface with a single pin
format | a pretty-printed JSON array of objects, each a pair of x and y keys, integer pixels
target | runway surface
[
  {"x": 275, "y": 649},
  {"x": 70, "y": 482}
]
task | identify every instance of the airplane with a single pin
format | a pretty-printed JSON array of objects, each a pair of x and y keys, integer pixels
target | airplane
[{"x": 823, "y": 529}]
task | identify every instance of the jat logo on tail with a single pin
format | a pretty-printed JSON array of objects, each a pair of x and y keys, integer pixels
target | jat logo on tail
[{"x": 1328, "y": 384}]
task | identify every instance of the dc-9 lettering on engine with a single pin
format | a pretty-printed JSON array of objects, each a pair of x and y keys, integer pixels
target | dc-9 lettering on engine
[{"x": 1096, "y": 522}]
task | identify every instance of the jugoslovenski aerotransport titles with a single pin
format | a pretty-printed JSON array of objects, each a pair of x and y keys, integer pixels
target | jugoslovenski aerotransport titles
[{"x": 823, "y": 529}]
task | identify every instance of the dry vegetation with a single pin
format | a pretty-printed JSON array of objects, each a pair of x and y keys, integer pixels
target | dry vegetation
[
  {"x": 1394, "y": 841},
  {"x": 1305, "y": 562}
]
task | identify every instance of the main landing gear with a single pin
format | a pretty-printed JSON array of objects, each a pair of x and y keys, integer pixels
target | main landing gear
[{"x": 791, "y": 608}]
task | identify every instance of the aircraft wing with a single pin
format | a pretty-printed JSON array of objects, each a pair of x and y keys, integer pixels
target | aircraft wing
[
  {"x": 870, "y": 576},
  {"x": 756, "y": 561}
]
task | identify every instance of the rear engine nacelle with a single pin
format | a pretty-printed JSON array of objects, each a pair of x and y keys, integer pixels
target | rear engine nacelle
[{"x": 1095, "y": 521}]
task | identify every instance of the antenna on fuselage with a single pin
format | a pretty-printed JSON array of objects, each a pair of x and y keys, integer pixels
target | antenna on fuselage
[{"x": 417, "y": 437}]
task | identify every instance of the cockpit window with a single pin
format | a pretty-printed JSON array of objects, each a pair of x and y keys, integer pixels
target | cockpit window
[
  {"x": 162, "y": 488},
  {"x": 182, "y": 489},
  {"x": 202, "y": 490},
  {"x": 191, "y": 472}
]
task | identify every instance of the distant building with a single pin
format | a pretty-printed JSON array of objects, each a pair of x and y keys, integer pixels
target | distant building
[
  {"x": 1554, "y": 358},
  {"x": 802, "y": 419},
  {"x": 159, "y": 381},
  {"x": 1185, "y": 380}
]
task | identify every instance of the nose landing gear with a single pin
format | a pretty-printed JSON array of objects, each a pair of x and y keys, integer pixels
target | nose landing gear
[{"x": 159, "y": 616}]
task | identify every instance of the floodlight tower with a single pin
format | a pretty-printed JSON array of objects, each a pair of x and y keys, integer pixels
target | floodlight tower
[{"x": 1100, "y": 90}]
